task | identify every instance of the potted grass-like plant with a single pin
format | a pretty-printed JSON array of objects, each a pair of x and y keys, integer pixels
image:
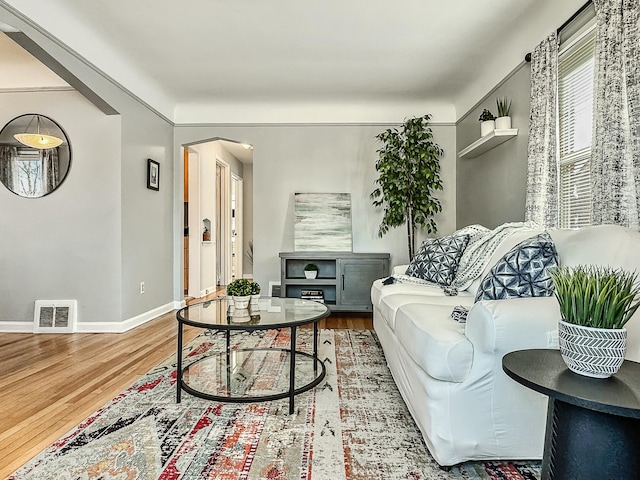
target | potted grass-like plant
[
  {"x": 504, "y": 114},
  {"x": 595, "y": 304}
]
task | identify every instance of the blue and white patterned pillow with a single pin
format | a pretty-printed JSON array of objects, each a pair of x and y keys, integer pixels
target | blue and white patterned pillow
[
  {"x": 522, "y": 272},
  {"x": 437, "y": 259}
]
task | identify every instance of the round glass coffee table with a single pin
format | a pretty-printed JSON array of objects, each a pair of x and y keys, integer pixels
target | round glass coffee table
[{"x": 244, "y": 375}]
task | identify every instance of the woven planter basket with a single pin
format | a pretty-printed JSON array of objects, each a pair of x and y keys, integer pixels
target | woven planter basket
[{"x": 593, "y": 352}]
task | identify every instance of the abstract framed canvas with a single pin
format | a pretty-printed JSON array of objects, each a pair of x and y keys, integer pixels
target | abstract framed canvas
[{"x": 322, "y": 222}]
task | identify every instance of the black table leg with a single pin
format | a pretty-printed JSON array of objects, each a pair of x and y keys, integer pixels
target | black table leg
[
  {"x": 315, "y": 347},
  {"x": 179, "y": 365},
  {"x": 228, "y": 357},
  {"x": 588, "y": 445},
  {"x": 292, "y": 370}
]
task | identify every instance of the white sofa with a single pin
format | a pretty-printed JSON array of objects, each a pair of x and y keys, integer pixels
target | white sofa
[{"x": 450, "y": 374}]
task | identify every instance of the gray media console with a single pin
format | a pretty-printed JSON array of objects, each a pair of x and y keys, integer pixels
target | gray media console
[{"x": 343, "y": 282}]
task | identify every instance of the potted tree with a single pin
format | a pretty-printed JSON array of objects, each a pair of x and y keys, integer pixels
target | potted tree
[
  {"x": 487, "y": 122},
  {"x": 310, "y": 270},
  {"x": 240, "y": 291},
  {"x": 409, "y": 168},
  {"x": 504, "y": 113},
  {"x": 595, "y": 304}
]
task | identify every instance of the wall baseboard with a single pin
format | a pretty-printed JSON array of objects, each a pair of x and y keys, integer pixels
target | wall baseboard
[
  {"x": 16, "y": 327},
  {"x": 101, "y": 327},
  {"x": 126, "y": 325}
]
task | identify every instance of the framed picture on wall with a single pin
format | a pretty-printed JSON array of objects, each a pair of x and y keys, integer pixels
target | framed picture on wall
[{"x": 153, "y": 174}]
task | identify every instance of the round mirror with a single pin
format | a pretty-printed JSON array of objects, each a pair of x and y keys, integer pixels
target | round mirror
[{"x": 35, "y": 155}]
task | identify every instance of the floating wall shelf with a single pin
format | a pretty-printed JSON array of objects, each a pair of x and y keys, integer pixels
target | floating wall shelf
[{"x": 486, "y": 143}]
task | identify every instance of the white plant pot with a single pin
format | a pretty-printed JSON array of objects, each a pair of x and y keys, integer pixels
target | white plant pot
[
  {"x": 487, "y": 127},
  {"x": 503, "y": 123},
  {"x": 242, "y": 302},
  {"x": 255, "y": 298},
  {"x": 310, "y": 274},
  {"x": 240, "y": 315},
  {"x": 592, "y": 352}
]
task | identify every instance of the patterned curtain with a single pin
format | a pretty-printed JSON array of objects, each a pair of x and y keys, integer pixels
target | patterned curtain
[
  {"x": 50, "y": 168},
  {"x": 542, "y": 202},
  {"x": 615, "y": 157},
  {"x": 8, "y": 157}
]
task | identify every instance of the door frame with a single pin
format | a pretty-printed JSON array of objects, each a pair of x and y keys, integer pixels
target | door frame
[{"x": 223, "y": 231}]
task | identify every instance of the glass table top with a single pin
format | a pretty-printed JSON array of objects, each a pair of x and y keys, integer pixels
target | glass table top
[{"x": 267, "y": 312}]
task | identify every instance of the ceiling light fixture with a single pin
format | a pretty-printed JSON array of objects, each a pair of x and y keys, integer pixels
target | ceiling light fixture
[
  {"x": 36, "y": 139},
  {"x": 246, "y": 146}
]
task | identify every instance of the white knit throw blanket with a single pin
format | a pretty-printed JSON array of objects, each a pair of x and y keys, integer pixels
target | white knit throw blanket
[{"x": 477, "y": 255}]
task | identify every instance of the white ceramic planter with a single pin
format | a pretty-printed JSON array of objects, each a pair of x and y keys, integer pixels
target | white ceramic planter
[
  {"x": 255, "y": 298},
  {"x": 487, "y": 127},
  {"x": 240, "y": 315},
  {"x": 503, "y": 123},
  {"x": 242, "y": 302},
  {"x": 592, "y": 352},
  {"x": 310, "y": 274}
]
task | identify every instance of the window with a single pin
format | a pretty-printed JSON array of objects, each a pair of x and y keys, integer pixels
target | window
[{"x": 575, "y": 121}]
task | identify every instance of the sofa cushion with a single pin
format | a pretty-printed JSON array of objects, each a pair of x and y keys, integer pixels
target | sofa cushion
[
  {"x": 437, "y": 259},
  {"x": 379, "y": 291},
  {"x": 435, "y": 342},
  {"x": 389, "y": 304},
  {"x": 522, "y": 272}
]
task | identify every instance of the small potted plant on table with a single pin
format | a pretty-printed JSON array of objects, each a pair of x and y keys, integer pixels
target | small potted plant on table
[
  {"x": 310, "y": 270},
  {"x": 240, "y": 290},
  {"x": 595, "y": 304},
  {"x": 255, "y": 292}
]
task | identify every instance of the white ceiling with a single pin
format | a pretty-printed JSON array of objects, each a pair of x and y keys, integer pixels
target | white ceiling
[{"x": 243, "y": 60}]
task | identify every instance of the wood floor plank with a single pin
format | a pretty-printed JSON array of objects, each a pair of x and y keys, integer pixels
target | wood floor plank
[{"x": 49, "y": 383}]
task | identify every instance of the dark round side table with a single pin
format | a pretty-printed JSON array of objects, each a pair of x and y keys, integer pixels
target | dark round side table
[{"x": 593, "y": 425}]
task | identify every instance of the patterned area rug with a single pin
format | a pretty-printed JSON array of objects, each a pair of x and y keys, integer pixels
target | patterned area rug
[{"x": 354, "y": 425}]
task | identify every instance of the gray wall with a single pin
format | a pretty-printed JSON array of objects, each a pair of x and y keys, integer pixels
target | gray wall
[
  {"x": 65, "y": 245},
  {"x": 147, "y": 215},
  {"x": 316, "y": 158},
  {"x": 491, "y": 188},
  {"x": 128, "y": 231}
]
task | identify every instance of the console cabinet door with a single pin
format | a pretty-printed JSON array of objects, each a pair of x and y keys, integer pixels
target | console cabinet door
[{"x": 355, "y": 279}]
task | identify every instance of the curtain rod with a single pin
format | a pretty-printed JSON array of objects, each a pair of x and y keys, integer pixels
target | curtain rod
[{"x": 527, "y": 57}]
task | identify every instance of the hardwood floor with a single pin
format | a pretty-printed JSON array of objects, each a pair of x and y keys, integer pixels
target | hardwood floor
[{"x": 50, "y": 383}]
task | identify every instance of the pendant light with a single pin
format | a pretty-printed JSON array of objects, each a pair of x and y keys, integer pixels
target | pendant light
[{"x": 37, "y": 138}]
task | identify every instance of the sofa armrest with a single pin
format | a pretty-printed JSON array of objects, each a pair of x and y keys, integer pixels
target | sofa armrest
[{"x": 502, "y": 326}]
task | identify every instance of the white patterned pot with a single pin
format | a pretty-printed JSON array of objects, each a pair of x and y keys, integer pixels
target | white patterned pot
[
  {"x": 310, "y": 274},
  {"x": 241, "y": 302},
  {"x": 593, "y": 352}
]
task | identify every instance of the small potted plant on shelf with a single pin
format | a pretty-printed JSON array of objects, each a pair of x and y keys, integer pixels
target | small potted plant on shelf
[
  {"x": 310, "y": 270},
  {"x": 504, "y": 114},
  {"x": 255, "y": 292},
  {"x": 240, "y": 290},
  {"x": 487, "y": 122},
  {"x": 595, "y": 304}
]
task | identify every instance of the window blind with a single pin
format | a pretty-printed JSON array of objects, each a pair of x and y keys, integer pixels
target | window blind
[{"x": 575, "y": 121}]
